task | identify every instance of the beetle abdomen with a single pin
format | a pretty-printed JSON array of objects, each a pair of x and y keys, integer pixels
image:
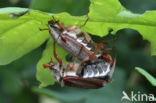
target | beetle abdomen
[{"x": 95, "y": 70}]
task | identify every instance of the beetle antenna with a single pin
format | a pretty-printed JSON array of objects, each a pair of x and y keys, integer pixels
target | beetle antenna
[
  {"x": 47, "y": 66},
  {"x": 109, "y": 49},
  {"x": 106, "y": 42},
  {"x": 112, "y": 39}
]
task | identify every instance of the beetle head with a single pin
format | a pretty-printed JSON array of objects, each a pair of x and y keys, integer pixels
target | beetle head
[
  {"x": 55, "y": 70},
  {"x": 54, "y": 29},
  {"x": 55, "y": 24}
]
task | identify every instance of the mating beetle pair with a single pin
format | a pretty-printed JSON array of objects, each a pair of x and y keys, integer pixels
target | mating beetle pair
[{"x": 94, "y": 71}]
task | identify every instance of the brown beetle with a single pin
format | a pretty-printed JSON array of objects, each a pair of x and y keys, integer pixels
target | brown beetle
[
  {"x": 90, "y": 75},
  {"x": 73, "y": 40}
]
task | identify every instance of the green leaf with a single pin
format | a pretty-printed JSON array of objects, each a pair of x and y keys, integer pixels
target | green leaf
[
  {"x": 12, "y": 10},
  {"x": 44, "y": 75},
  {"x": 22, "y": 35},
  {"x": 54, "y": 6},
  {"x": 150, "y": 78},
  {"x": 109, "y": 14}
]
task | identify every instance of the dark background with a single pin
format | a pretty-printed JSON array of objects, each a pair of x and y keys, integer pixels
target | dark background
[{"x": 19, "y": 85}]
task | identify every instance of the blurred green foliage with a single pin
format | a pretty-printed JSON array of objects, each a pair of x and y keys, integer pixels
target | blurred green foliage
[
  {"x": 73, "y": 7},
  {"x": 18, "y": 83}
]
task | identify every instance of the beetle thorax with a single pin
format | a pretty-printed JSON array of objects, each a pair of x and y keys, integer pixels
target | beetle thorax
[{"x": 54, "y": 32}]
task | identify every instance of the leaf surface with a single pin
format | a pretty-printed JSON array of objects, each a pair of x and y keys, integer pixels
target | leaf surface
[
  {"x": 20, "y": 36},
  {"x": 150, "y": 78}
]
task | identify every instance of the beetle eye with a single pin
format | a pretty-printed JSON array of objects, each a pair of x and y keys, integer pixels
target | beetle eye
[
  {"x": 51, "y": 25},
  {"x": 52, "y": 64},
  {"x": 54, "y": 26}
]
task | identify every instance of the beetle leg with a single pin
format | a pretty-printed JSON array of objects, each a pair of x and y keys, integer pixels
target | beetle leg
[
  {"x": 73, "y": 29},
  {"x": 68, "y": 66},
  {"x": 86, "y": 37},
  {"x": 107, "y": 49},
  {"x": 55, "y": 55},
  {"x": 112, "y": 39},
  {"x": 106, "y": 42},
  {"x": 84, "y": 22},
  {"x": 76, "y": 59},
  {"x": 93, "y": 54},
  {"x": 73, "y": 64},
  {"x": 98, "y": 47},
  {"x": 88, "y": 40},
  {"x": 87, "y": 59}
]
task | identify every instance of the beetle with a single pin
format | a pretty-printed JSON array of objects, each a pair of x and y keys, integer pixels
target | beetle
[
  {"x": 90, "y": 75},
  {"x": 73, "y": 40}
]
